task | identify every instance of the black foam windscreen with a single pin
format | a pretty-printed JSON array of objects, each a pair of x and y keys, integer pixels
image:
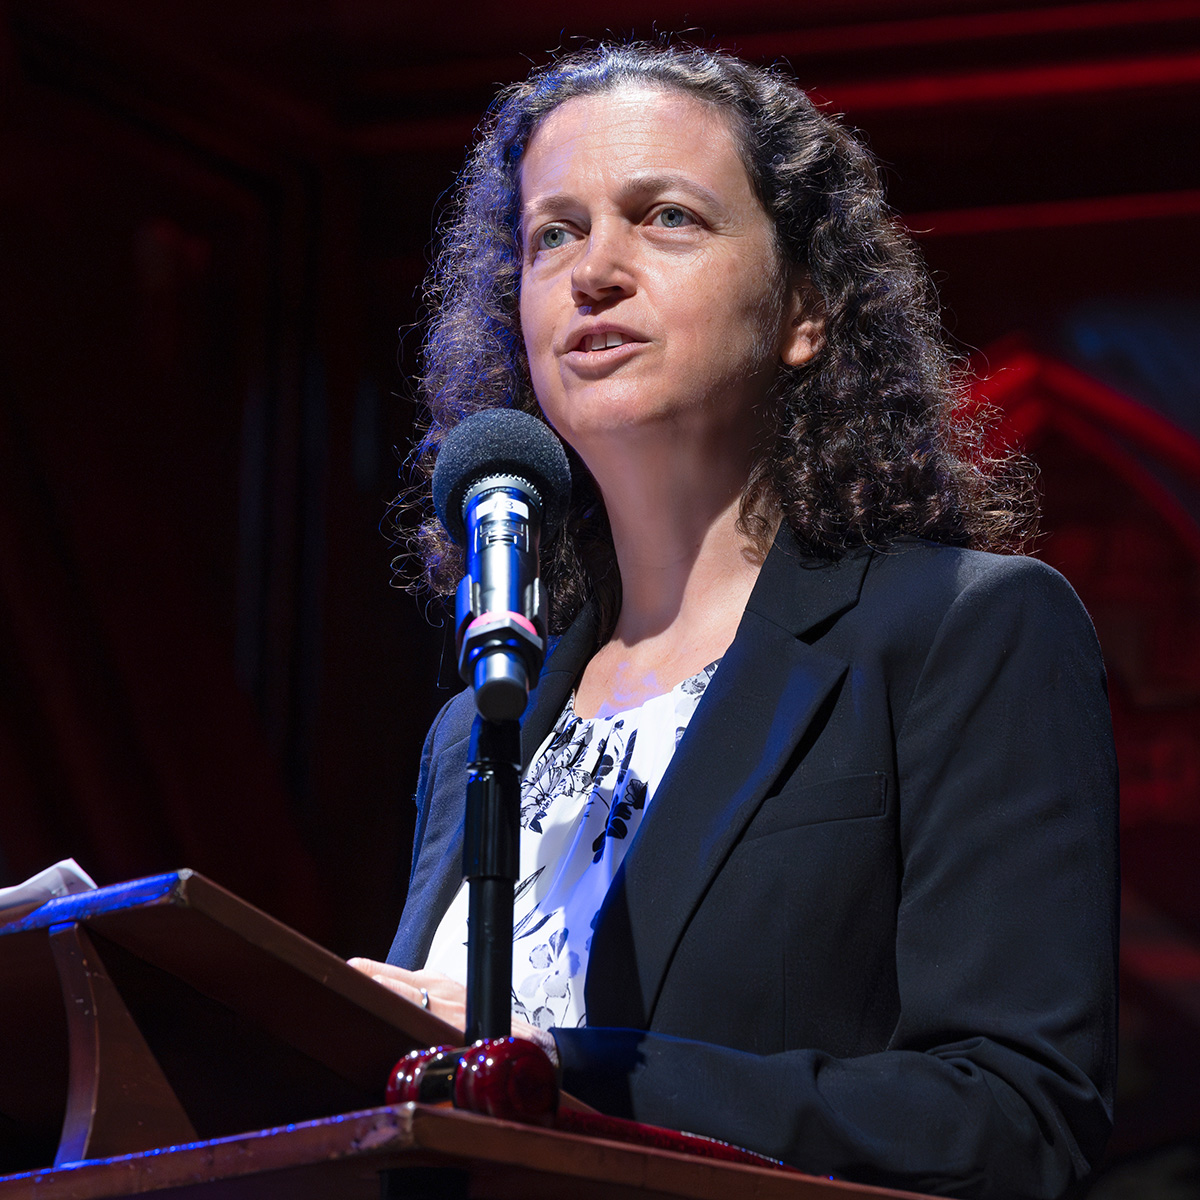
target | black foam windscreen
[{"x": 501, "y": 441}]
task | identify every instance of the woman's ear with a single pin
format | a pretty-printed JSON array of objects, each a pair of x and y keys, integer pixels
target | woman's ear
[{"x": 804, "y": 333}]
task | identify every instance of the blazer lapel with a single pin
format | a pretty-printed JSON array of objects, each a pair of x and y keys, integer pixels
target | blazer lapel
[
  {"x": 440, "y": 871},
  {"x": 753, "y": 715}
]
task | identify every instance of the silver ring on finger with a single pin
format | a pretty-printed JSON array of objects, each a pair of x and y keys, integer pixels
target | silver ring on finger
[{"x": 425, "y": 999}]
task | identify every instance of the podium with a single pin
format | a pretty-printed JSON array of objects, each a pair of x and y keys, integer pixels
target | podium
[{"x": 164, "y": 1038}]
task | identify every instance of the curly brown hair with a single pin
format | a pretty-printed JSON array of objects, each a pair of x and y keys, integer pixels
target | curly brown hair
[{"x": 871, "y": 442}]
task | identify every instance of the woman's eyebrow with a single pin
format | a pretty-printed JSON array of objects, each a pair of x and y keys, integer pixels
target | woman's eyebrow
[
  {"x": 636, "y": 187},
  {"x": 652, "y": 184},
  {"x": 552, "y": 204}
]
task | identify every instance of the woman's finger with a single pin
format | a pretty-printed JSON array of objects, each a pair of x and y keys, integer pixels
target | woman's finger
[
  {"x": 446, "y": 999},
  {"x": 439, "y": 994},
  {"x": 368, "y": 966},
  {"x": 414, "y": 985},
  {"x": 539, "y": 1037},
  {"x": 407, "y": 990}
]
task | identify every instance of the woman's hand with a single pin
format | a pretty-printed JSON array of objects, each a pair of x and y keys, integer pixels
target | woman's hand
[
  {"x": 539, "y": 1037},
  {"x": 447, "y": 998}
]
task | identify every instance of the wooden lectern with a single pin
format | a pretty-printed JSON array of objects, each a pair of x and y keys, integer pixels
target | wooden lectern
[{"x": 165, "y": 1038}]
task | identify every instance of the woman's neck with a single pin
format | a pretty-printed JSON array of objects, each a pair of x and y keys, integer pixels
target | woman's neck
[{"x": 687, "y": 571}]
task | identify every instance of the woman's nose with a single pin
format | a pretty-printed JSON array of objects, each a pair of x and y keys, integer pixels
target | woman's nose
[{"x": 604, "y": 271}]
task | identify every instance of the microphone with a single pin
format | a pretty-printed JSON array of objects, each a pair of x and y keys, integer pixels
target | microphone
[{"x": 501, "y": 481}]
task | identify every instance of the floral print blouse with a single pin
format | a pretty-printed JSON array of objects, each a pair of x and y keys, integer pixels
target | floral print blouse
[{"x": 582, "y": 799}]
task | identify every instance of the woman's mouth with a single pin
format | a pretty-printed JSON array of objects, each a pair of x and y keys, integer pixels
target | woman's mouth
[
  {"x": 602, "y": 341},
  {"x": 595, "y": 354}
]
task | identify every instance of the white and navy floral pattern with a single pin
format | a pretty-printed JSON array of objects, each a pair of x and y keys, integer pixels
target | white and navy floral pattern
[{"x": 582, "y": 800}]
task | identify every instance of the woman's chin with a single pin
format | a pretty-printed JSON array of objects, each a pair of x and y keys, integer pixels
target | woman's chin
[{"x": 603, "y": 428}]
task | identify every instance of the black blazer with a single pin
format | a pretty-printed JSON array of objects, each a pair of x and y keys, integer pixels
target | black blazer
[{"x": 868, "y": 923}]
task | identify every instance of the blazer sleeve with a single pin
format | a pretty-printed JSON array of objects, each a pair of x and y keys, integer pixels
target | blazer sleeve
[
  {"x": 997, "y": 1080},
  {"x": 437, "y": 843}
]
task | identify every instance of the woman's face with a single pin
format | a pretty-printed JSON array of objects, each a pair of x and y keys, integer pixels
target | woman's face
[{"x": 652, "y": 298}]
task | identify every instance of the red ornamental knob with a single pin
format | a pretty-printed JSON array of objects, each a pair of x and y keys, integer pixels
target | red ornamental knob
[
  {"x": 424, "y": 1076},
  {"x": 508, "y": 1078}
]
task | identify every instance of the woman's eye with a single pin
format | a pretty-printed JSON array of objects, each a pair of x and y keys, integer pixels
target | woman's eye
[
  {"x": 552, "y": 237},
  {"x": 673, "y": 218}
]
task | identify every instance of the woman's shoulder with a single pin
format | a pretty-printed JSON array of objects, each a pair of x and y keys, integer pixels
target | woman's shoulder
[
  {"x": 452, "y": 723},
  {"x": 934, "y": 570},
  {"x": 997, "y": 597},
  {"x": 914, "y": 577}
]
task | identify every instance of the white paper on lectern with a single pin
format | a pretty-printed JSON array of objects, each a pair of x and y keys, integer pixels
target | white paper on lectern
[{"x": 63, "y": 879}]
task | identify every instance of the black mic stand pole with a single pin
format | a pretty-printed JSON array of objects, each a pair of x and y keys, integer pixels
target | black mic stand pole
[{"x": 491, "y": 860}]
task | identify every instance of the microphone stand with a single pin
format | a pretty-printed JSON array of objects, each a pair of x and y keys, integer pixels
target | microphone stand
[
  {"x": 499, "y": 474},
  {"x": 500, "y": 651},
  {"x": 491, "y": 861}
]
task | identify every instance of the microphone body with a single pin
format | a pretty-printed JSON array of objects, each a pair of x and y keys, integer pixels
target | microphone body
[
  {"x": 501, "y": 481},
  {"x": 499, "y": 611}
]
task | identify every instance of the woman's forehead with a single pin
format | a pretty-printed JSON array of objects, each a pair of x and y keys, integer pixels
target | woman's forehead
[{"x": 632, "y": 130}]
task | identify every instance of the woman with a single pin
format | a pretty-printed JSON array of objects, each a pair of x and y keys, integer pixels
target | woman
[{"x": 818, "y": 814}]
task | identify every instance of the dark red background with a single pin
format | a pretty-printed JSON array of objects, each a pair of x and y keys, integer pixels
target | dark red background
[{"x": 213, "y": 218}]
